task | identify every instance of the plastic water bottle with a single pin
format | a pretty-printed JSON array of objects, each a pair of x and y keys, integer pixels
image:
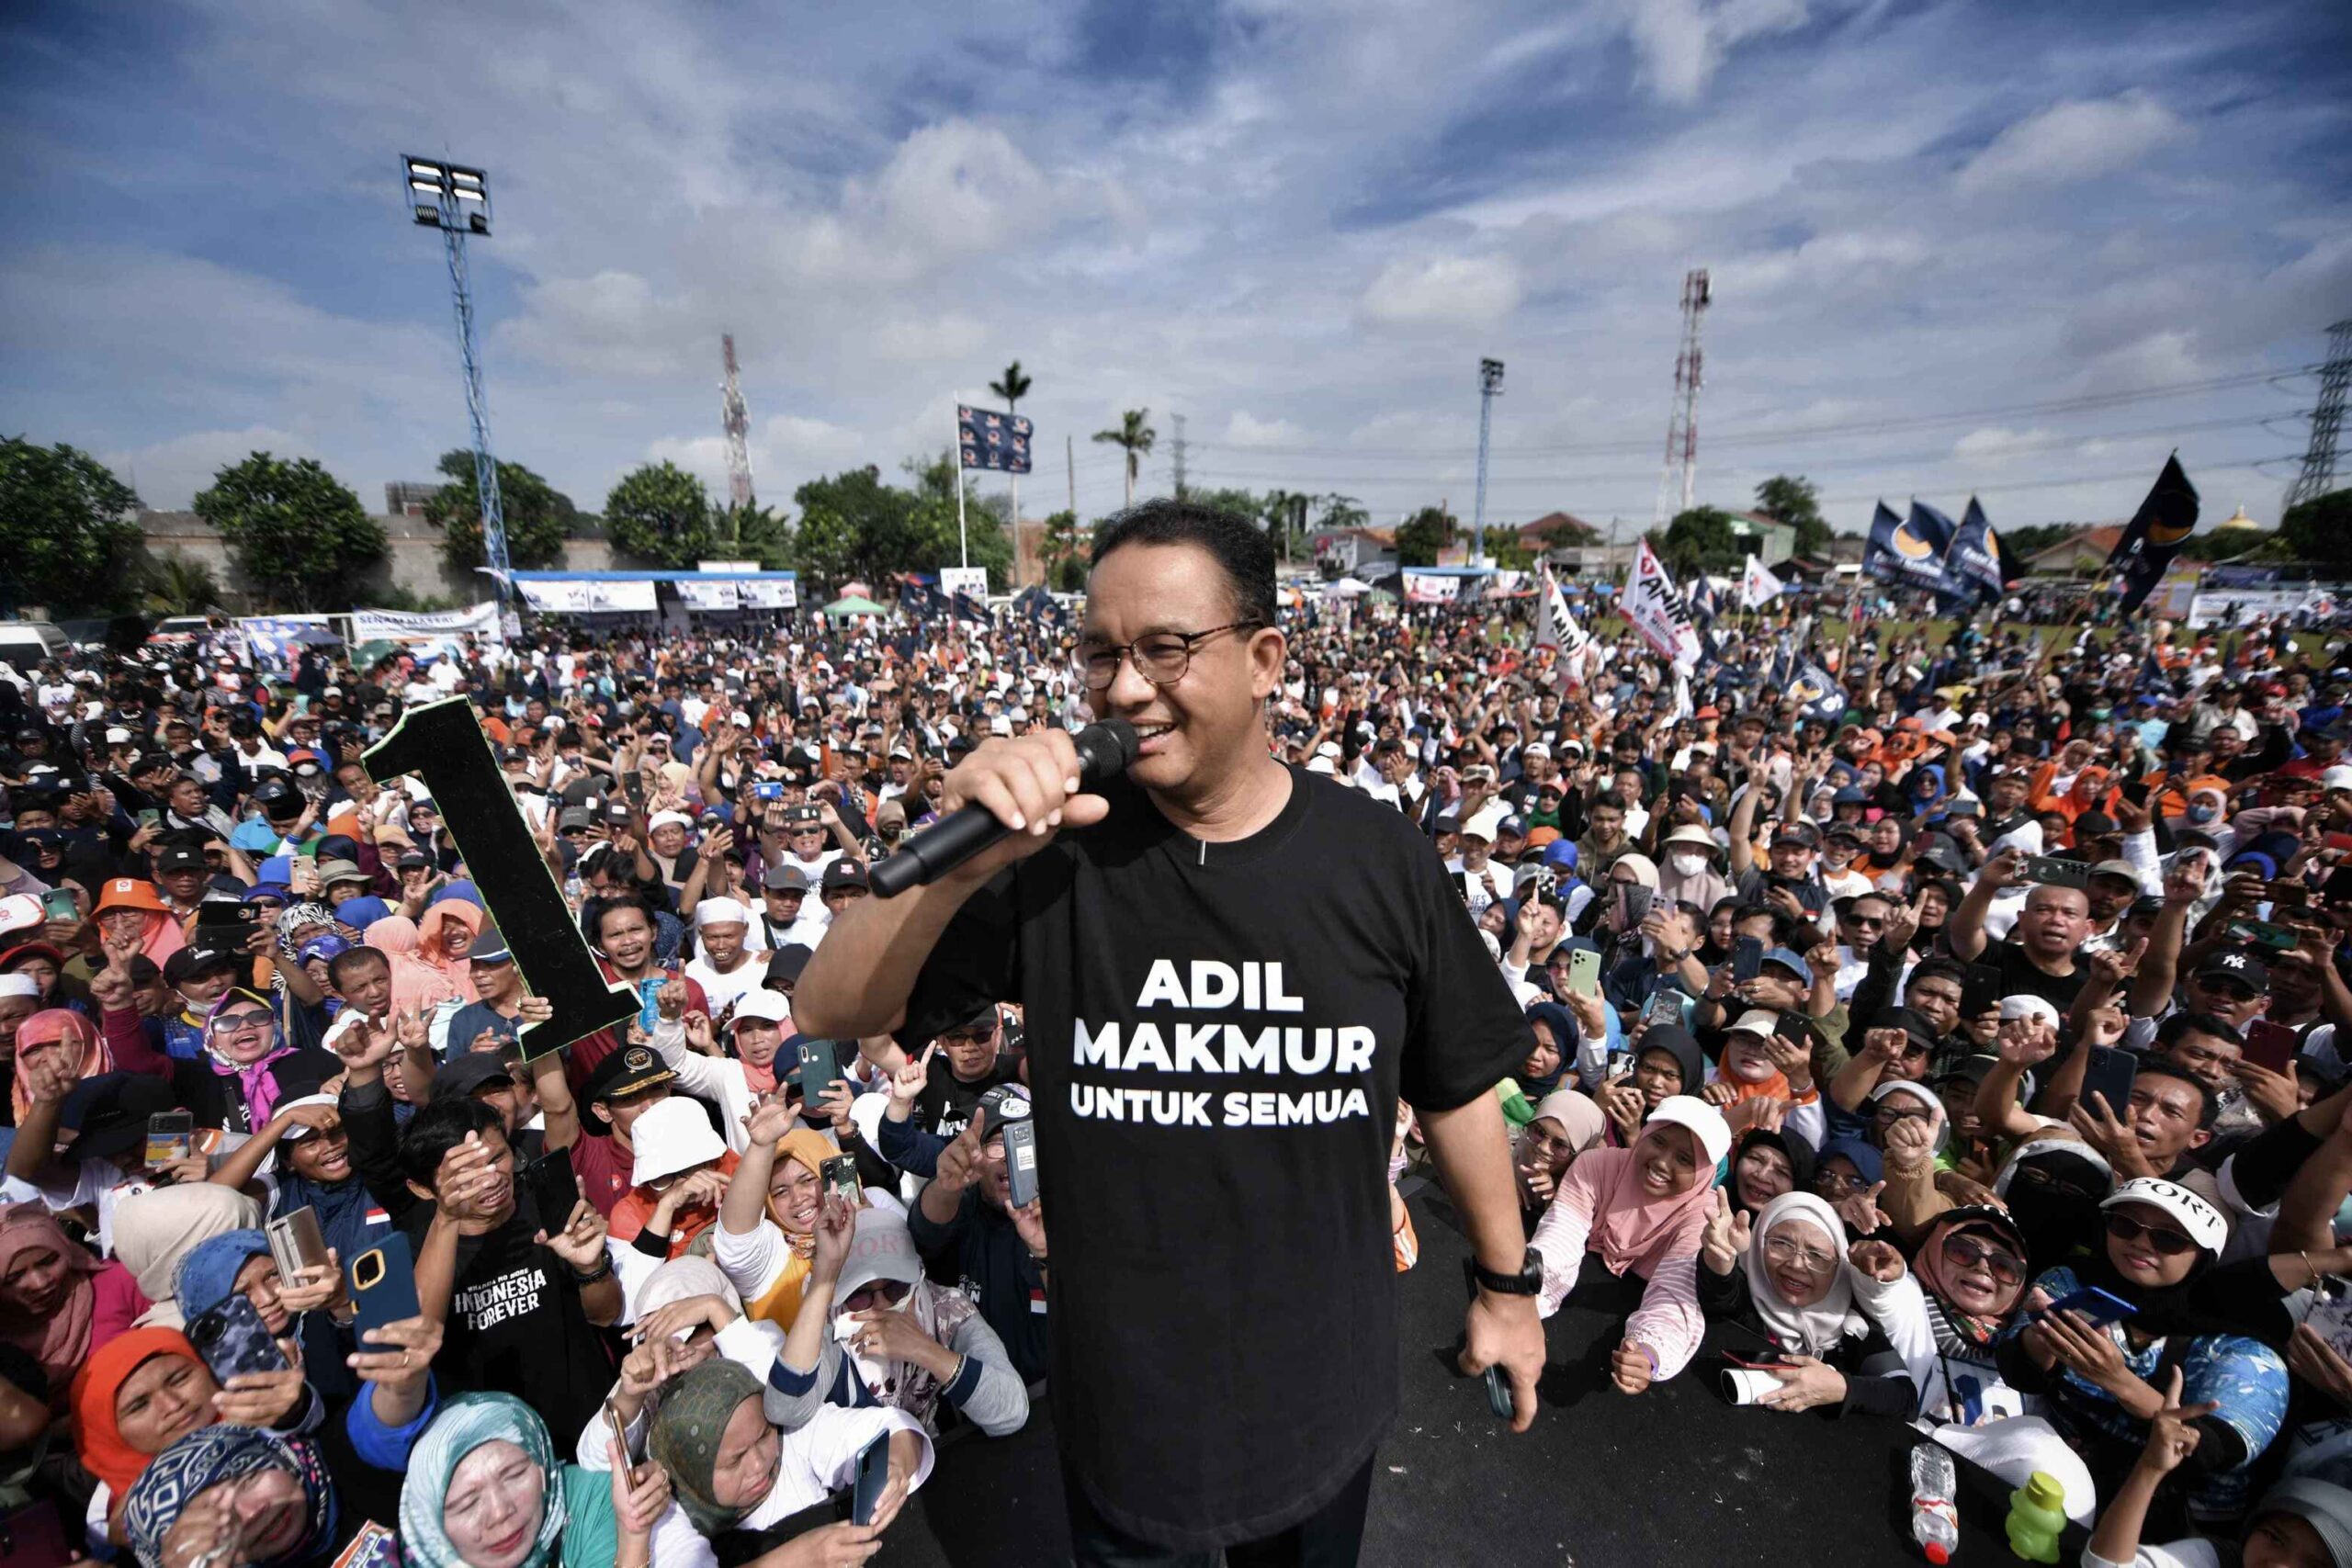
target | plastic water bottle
[
  {"x": 1935, "y": 1522},
  {"x": 2037, "y": 1515}
]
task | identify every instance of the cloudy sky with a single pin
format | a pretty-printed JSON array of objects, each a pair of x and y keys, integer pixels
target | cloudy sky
[{"x": 2017, "y": 249}]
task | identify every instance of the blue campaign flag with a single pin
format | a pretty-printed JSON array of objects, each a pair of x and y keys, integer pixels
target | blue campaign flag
[
  {"x": 991, "y": 440},
  {"x": 1879, "y": 559},
  {"x": 1973, "y": 560},
  {"x": 1041, "y": 606},
  {"x": 2164, "y": 523},
  {"x": 1910, "y": 553},
  {"x": 1817, "y": 693},
  {"x": 970, "y": 609}
]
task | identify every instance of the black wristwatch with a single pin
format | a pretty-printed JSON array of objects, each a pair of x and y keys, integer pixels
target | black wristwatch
[{"x": 1526, "y": 1282}]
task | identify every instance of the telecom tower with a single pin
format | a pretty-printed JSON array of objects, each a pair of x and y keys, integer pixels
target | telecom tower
[
  {"x": 1679, "y": 482},
  {"x": 2318, "y": 477},
  {"x": 456, "y": 200},
  {"x": 736, "y": 420},
  {"x": 1490, "y": 387}
]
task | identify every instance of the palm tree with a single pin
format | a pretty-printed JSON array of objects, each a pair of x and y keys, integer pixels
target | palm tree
[
  {"x": 1012, "y": 389},
  {"x": 1136, "y": 437},
  {"x": 178, "y": 586}
]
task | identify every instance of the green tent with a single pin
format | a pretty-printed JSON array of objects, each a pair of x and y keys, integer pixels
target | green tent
[{"x": 853, "y": 605}]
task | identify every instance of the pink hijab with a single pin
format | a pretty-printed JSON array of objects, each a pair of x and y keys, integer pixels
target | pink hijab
[
  {"x": 415, "y": 982},
  {"x": 59, "y": 1339},
  {"x": 1631, "y": 1229},
  {"x": 432, "y": 931}
]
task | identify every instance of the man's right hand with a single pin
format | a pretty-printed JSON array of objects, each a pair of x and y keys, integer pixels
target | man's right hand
[{"x": 1031, "y": 786}]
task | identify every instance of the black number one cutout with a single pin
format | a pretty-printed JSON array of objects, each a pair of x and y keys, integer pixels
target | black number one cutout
[{"x": 443, "y": 743}]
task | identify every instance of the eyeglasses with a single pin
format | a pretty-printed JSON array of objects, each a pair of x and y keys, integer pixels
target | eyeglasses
[
  {"x": 1967, "y": 1252},
  {"x": 2171, "y": 1244},
  {"x": 1788, "y": 1254},
  {"x": 1161, "y": 657},
  {"x": 1888, "y": 1112},
  {"x": 1830, "y": 1181},
  {"x": 241, "y": 1022}
]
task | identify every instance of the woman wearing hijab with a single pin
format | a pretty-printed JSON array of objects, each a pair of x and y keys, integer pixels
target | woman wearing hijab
[
  {"x": 766, "y": 1232},
  {"x": 58, "y": 1302},
  {"x": 1972, "y": 1267},
  {"x": 1767, "y": 1162},
  {"x": 240, "y": 1263},
  {"x": 2053, "y": 1186},
  {"x": 1842, "y": 1318},
  {"x": 253, "y": 1067},
  {"x": 1566, "y": 1122},
  {"x": 153, "y": 1230},
  {"x": 225, "y": 1490},
  {"x": 143, "y": 1390},
  {"x": 873, "y": 1331},
  {"x": 2300, "y": 1523},
  {"x": 66, "y": 1033},
  {"x": 445, "y": 936},
  {"x": 2098, "y": 1382},
  {"x": 740, "y": 1483},
  {"x": 130, "y": 910},
  {"x": 1641, "y": 1212},
  {"x": 485, "y": 1490},
  {"x": 1666, "y": 1062},
  {"x": 416, "y": 983},
  {"x": 1551, "y": 1051},
  {"x": 714, "y": 1304}
]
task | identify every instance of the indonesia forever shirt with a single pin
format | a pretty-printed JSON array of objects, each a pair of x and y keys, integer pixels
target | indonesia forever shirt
[{"x": 1218, "y": 1033}]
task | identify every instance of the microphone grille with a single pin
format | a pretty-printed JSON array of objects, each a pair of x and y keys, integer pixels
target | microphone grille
[{"x": 1107, "y": 747}]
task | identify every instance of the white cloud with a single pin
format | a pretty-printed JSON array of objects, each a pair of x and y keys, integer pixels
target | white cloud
[
  {"x": 1681, "y": 43},
  {"x": 168, "y": 474},
  {"x": 1245, "y": 429},
  {"x": 2072, "y": 141},
  {"x": 1998, "y": 443},
  {"x": 1451, "y": 291}
]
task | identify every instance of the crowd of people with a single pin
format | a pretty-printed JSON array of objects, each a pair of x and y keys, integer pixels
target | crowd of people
[{"x": 1970, "y": 1054}]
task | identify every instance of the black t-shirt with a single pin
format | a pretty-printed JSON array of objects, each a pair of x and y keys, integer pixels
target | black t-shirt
[
  {"x": 1218, "y": 1035},
  {"x": 980, "y": 1254},
  {"x": 517, "y": 1327},
  {"x": 2020, "y": 977},
  {"x": 945, "y": 1107}
]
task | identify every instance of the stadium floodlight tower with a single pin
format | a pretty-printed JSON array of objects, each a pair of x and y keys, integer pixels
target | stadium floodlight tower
[{"x": 456, "y": 200}]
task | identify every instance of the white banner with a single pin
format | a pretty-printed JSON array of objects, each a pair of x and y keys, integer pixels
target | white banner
[
  {"x": 1654, "y": 608},
  {"x": 2214, "y": 606},
  {"x": 718, "y": 593},
  {"x": 1428, "y": 588},
  {"x": 581, "y": 595},
  {"x": 971, "y": 579},
  {"x": 400, "y": 626},
  {"x": 769, "y": 592},
  {"x": 1555, "y": 626},
  {"x": 1757, "y": 585}
]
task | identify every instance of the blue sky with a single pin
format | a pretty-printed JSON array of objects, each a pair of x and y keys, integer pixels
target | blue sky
[{"x": 1298, "y": 223}]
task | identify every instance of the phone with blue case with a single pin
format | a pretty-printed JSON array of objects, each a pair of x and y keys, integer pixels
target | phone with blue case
[{"x": 383, "y": 1285}]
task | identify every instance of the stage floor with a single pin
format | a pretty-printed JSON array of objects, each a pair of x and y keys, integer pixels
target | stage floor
[{"x": 1675, "y": 1476}]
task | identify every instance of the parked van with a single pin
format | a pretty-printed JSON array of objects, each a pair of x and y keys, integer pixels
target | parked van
[{"x": 26, "y": 643}]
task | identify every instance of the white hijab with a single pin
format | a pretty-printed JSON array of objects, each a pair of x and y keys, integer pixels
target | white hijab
[{"x": 1809, "y": 1330}]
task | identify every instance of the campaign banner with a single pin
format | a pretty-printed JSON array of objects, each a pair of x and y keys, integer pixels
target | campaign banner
[
  {"x": 1654, "y": 608},
  {"x": 708, "y": 593},
  {"x": 2240, "y": 605},
  {"x": 403, "y": 626},
  {"x": 582, "y": 595},
  {"x": 272, "y": 636},
  {"x": 769, "y": 592},
  {"x": 1430, "y": 588},
  {"x": 971, "y": 579}
]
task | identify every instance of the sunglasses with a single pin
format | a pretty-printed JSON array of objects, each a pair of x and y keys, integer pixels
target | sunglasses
[
  {"x": 2169, "y": 1243},
  {"x": 1967, "y": 1252}
]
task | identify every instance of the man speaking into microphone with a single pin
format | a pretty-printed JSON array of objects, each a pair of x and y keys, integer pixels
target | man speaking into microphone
[{"x": 1231, "y": 969}]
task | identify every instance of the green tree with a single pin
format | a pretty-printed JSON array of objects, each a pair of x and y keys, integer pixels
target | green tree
[
  {"x": 539, "y": 517},
  {"x": 1286, "y": 513},
  {"x": 1063, "y": 552},
  {"x": 1135, "y": 437},
  {"x": 2320, "y": 530},
  {"x": 854, "y": 525},
  {"x": 178, "y": 586},
  {"x": 1012, "y": 389},
  {"x": 939, "y": 540},
  {"x": 296, "y": 532},
  {"x": 659, "y": 515},
  {"x": 1341, "y": 512},
  {"x": 1423, "y": 536},
  {"x": 753, "y": 532},
  {"x": 67, "y": 528},
  {"x": 1796, "y": 501},
  {"x": 2035, "y": 537},
  {"x": 1699, "y": 541}
]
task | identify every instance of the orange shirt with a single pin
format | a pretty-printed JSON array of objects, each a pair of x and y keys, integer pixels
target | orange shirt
[{"x": 634, "y": 1207}]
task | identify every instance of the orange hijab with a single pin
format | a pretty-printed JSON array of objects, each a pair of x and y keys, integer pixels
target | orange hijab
[
  {"x": 65, "y": 1031},
  {"x": 104, "y": 1453}
]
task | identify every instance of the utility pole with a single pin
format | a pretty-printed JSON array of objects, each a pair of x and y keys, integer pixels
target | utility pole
[
  {"x": 1680, "y": 477},
  {"x": 735, "y": 419},
  {"x": 456, "y": 200},
  {"x": 1180, "y": 454},
  {"x": 2318, "y": 477},
  {"x": 1490, "y": 387}
]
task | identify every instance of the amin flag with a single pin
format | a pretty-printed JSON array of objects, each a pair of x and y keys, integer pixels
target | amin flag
[
  {"x": 1758, "y": 586},
  {"x": 2158, "y": 529},
  {"x": 1654, "y": 608}
]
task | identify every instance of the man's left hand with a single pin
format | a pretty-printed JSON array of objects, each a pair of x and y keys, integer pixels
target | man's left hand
[{"x": 1505, "y": 1331}]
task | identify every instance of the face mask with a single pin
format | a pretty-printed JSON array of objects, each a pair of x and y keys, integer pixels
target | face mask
[
  {"x": 2202, "y": 813},
  {"x": 1687, "y": 863}
]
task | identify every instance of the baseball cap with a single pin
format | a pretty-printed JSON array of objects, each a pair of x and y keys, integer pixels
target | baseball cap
[
  {"x": 1006, "y": 1102},
  {"x": 489, "y": 947},
  {"x": 574, "y": 818},
  {"x": 109, "y": 1112},
  {"x": 763, "y": 1005},
  {"x": 671, "y": 1137},
  {"x": 179, "y": 857},
  {"x": 2338, "y": 777},
  {"x": 295, "y": 1131},
  {"x": 2198, "y": 1218},
  {"x": 1792, "y": 962},
  {"x": 2239, "y": 964},
  {"x": 1757, "y": 1020},
  {"x": 410, "y": 860},
  {"x": 1706, "y": 1123},
  {"x": 785, "y": 879},
  {"x": 464, "y": 1073},
  {"x": 844, "y": 874},
  {"x": 1797, "y": 833},
  {"x": 788, "y": 962},
  {"x": 190, "y": 961},
  {"x": 626, "y": 1072}
]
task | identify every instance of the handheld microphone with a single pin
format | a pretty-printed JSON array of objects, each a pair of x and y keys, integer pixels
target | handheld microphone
[{"x": 1105, "y": 751}]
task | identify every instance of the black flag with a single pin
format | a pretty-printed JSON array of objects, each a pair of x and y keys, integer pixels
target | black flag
[{"x": 2158, "y": 529}]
